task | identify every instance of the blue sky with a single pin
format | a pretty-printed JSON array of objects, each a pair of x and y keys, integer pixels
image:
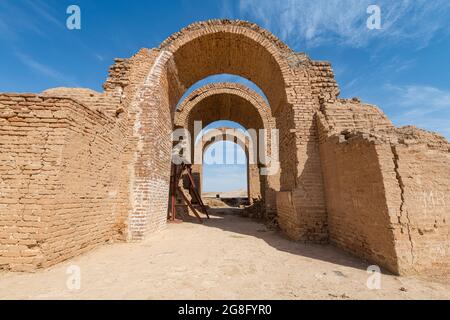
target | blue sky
[{"x": 403, "y": 68}]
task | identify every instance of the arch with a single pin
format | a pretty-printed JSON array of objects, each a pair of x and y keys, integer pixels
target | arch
[
  {"x": 254, "y": 181},
  {"x": 224, "y": 101},
  {"x": 213, "y": 47},
  {"x": 196, "y": 52},
  {"x": 227, "y": 101}
]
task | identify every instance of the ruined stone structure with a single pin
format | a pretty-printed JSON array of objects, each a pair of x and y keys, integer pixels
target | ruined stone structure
[{"x": 79, "y": 168}]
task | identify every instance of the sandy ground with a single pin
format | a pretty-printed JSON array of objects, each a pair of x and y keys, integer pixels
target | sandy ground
[{"x": 228, "y": 257}]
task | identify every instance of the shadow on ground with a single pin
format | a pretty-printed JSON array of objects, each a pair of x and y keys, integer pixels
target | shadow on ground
[{"x": 231, "y": 220}]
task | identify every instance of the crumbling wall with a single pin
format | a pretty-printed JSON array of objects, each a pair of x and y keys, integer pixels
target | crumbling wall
[
  {"x": 288, "y": 219},
  {"x": 62, "y": 189},
  {"x": 352, "y": 115},
  {"x": 386, "y": 189},
  {"x": 253, "y": 183},
  {"x": 301, "y": 173},
  {"x": 106, "y": 103}
]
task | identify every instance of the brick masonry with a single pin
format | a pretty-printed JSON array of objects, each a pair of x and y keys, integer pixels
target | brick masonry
[
  {"x": 246, "y": 107},
  {"x": 255, "y": 181},
  {"x": 79, "y": 168}
]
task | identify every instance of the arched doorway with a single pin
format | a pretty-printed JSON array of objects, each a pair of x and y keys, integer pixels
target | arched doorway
[
  {"x": 234, "y": 102},
  {"x": 243, "y": 49},
  {"x": 224, "y": 172}
]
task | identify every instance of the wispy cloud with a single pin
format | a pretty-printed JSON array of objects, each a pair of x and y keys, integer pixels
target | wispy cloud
[
  {"x": 370, "y": 72},
  {"x": 43, "y": 69},
  {"x": 424, "y": 106},
  {"x": 313, "y": 23},
  {"x": 17, "y": 18}
]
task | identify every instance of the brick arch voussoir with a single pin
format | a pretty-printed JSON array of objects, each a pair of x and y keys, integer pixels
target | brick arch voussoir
[
  {"x": 227, "y": 88},
  {"x": 276, "y": 48},
  {"x": 227, "y": 134}
]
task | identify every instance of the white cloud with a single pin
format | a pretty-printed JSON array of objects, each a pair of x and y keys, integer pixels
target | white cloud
[
  {"x": 224, "y": 178},
  {"x": 422, "y": 100},
  {"x": 424, "y": 106},
  {"x": 313, "y": 23},
  {"x": 99, "y": 57},
  {"x": 21, "y": 18},
  {"x": 43, "y": 69}
]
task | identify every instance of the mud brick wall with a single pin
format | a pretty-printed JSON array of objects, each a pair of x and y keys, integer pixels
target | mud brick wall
[
  {"x": 151, "y": 118},
  {"x": 288, "y": 218},
  {"x": 104, "y": 102},
  {"x": 61, "y": 182},
  {"x": 426, "y": 194},
  {"x": 30, "y": 150},
  {"x": 323, "y": 84},
  {"x": 301, "y": 172},
  {"x": 358, "y": 215},
  {"x": 417, "y": 181},
  {"x": 133, "y": 81},
  {"x": 353, "y": 115},
  {"x": 253, "y": 183}
]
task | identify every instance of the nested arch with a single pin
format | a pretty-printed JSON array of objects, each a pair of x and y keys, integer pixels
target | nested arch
[
  {"x": 196, "y": 52},
  {"x": 226, "y": 101},
  {"x": 228, "y": 134}
]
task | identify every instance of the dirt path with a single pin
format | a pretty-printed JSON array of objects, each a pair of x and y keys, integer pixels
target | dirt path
[{"x": 227, "y": 258}]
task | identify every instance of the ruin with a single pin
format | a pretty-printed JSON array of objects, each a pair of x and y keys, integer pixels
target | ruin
[{"x": 79, "y": 168}]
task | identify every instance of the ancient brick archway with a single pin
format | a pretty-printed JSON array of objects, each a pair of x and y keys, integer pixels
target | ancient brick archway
[
  {"x": 177, "y": 65},
  {"x": 235, "y": 102}
]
